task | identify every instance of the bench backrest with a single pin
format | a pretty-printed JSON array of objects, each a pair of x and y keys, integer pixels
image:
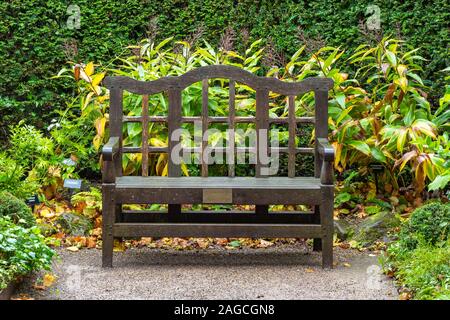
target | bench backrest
[{"x": 174, "y": 86}]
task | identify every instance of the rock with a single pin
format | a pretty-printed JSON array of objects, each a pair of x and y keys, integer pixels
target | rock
[
  {"x": 47, "y": 229},
  {"x": 376, "y": 228},
  {"x": 75, "y": 224},
  {"x": 342, "y": 229}
]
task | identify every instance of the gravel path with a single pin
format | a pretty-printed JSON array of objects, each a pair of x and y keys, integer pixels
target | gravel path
[{"x": 280, "y": 272}]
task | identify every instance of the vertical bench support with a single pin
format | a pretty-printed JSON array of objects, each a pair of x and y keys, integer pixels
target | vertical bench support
[
  {"x": 112, "y": 168},
  {"x": 323, "y": 169}
]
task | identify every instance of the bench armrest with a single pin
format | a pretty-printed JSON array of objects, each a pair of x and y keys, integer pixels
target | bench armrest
[
  {"x": 110, "y": 149},
  {"x": 325, "y": 149}
]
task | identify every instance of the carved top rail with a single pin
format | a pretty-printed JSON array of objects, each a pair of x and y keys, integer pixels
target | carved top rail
[{"x": 218, "y": 71}]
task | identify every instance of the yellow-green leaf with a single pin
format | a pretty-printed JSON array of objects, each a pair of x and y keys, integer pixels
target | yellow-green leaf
[{"x": 89, "y": 69}]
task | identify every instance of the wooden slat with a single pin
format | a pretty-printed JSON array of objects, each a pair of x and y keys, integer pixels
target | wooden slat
[
  {"x": 145, "y": 145},
  {"x": 321, "y": 125},
  {"x": 292, "y": 134},
  {"x": 231, "y": 133},
  {"x": 139, "y": 119},
  {"x": 273, "y": 183},
  {"x": 240, "y": 119},
  {"x": 217, "y": 149},
  {"x": 262, "y": 123},
  {"x": 173, "y": 124},
  {"x": 115, "y": 124},
  {"x": 204, "y": 160},
  {"x": 174, "y": 120},
  {"x": 216, "y": 230},
  {"x": 150, "y": 149},
  {"x": 240, "y": 196},
  {"x": 220, "y": 217},
  {"x": 132, "y": 119}
]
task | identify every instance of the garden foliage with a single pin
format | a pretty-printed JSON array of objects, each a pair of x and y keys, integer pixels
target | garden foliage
[
  {"x": 382, "y": 115},
  {"x": 36, "y": 41},
  {"x": 15, "y": 209},
  {"x": 420, "y": 257},
  {"x": 22, "y": 250}
]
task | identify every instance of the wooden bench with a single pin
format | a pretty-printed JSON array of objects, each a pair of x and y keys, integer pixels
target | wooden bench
[{"x": 260, "y": 190}]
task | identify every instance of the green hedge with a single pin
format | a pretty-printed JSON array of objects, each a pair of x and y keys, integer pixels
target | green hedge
[{"x": 33, "y": 34}]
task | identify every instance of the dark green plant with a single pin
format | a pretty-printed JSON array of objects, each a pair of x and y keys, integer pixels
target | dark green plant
[
  {"x": 22, "y": 251},
  {"x": 26, "y": 63},
  {"x": 424, "y": 271},
  {"x": 16, "y": 209},
  {"x": 420, "y": 257},
  {"x": 430, "y": 223}
]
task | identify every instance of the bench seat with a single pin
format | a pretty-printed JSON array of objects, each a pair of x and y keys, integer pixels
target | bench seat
[{"x": 224, "y": 190}]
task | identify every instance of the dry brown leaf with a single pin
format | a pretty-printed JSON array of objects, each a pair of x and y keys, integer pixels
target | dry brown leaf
[
  {"x": 222, "y": 241},
  {"x": 22, "y": 296},
  {"x": 47, "y": 213},
  {"x": 264, "y": 243},
  {"x": 73, "y": 249},
  {"x": 96, "y": 232},
  {"x": 405, "y": 296},
  {"x": 48, "y": 280},
  {"x": 91, "y": 242},
  {"x": 202, "y": 243},
  {"x": 119, "y": 246}
]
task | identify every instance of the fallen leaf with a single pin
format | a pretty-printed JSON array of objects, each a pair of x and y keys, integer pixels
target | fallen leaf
[
  {"x": 91, "y": 242},
  {"x": 346, "y": 264},
  {"x": 222, "y": 241},
  {"x": 47, "y": 213},
  {"x": 202, "y": 243},
  {"x": 73, "y": 249},
  {"x": 96, "y": 232},
  {"x": 344, "y": 245},
  {"x": 22, "y": 296},
  {"x": 235, "y": 244},
  {"x": 405, "y": 296},
  {"x": 309, "y": 270},
  {"x": 48, "y": 280},
  {"x": 119, "y": 246},
  {"x": 264, "y": 244}
]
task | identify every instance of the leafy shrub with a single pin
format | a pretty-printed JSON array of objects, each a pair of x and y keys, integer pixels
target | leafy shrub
[
  {"x": 16, "y": 209},
  {"x": 430, "y": 223},
  {"x": 28, "y": 145},
  {"x": 22, "y": 251},
  {"x": 13, "y": 178},
  {"x": 27, "y": 64},
  {"x": 425, "y": 271},
  {"x": 420, "y": 257},
  {"x": 47, "y": 160}
]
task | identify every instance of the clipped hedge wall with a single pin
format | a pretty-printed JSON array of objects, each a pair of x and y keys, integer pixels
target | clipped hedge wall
[{"x": 33, "y": 35}]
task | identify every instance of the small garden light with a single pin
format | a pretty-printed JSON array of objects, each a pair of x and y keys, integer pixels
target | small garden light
[{"x": 376, "y": 169}]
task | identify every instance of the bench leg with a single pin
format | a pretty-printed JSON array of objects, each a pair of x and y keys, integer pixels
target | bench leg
[
  {"x": 326, "y": 217},
  {"x": 317, "y": 242},
  {"x": 108, "y": 216}
]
